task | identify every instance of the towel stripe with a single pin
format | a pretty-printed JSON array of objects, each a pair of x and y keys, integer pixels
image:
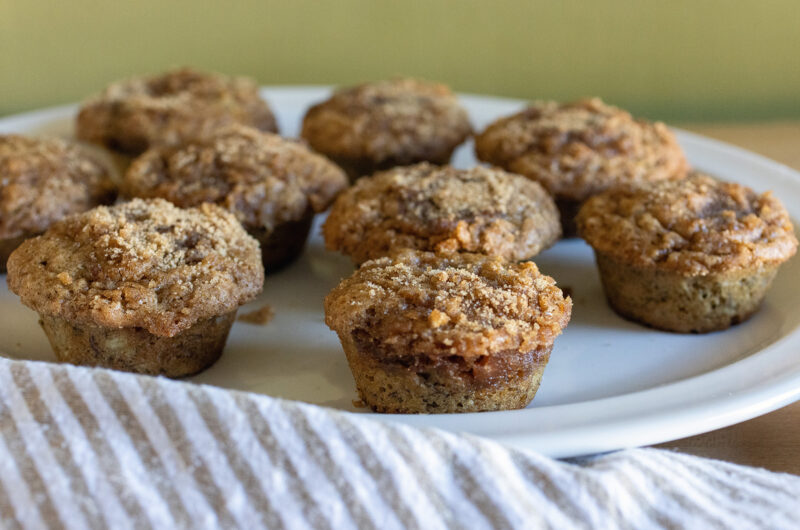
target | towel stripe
[
  {"x": 84, "y": 448},
  {"x": 25, "y": 454},
  {"x": 70, "y": 479},
  {"x": 133, "y": 429},
  {"x": 189, "y": 459},
  {"x": 85, "y": 458},
  {"x": 283, "y": 465},
  {"x": 168, "y": 459}
]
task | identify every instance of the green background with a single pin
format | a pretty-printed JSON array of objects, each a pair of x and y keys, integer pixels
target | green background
[{"x": 675, "y": 60}]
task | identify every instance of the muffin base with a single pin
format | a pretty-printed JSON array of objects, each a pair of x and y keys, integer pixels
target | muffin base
[
  {"x": 363, "y": 167},
  {"x": 393, "y": 388},
  {"x": 7, "y": 246},
  {"x": 685, "y": 304},
  {"x": 284, "y": 244},
  {"x": 136, "y": 349},
  {"x": 568, "y": 210}
]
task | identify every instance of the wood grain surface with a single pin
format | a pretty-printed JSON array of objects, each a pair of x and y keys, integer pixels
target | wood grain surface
[{"x": 771, "y": 441}]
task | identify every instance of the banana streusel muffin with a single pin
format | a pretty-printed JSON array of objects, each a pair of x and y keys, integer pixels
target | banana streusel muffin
[
  {"x": 457, "y": 333},
  {"x": 380, "y": 125},
  {"x": 143, "y": 286},
  {"x": 272, "y": 185},
  {"x": 443, "y": 209},
  {"x": 692, "y": 255},
  {"x": 168, "y": 109},
  {"x": 577, "y": 150},
  {"x": 43, "y": 180}
]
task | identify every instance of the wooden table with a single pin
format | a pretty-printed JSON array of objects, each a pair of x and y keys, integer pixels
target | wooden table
[{"x": 773, "y": 440}]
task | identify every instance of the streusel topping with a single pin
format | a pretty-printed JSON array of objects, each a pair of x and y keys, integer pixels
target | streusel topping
[
  {"x": 260, "y": 177},
  {"x": 43, "y": 180},
  {"x": 694, "y": 226},
  {"x": 467, "y": 305},
  {"x": 445, "y": 209},
  {"x": 402, "y": 119},
  {"x": 576, "y": 150},
  {"x": 142, "y": 264},
  {"x": 171, "y": 108}
]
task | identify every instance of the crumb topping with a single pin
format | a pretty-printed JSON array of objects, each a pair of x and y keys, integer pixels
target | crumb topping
[
  {"x": 406, "y": 120},
  {"x": 142, "y": 264},
  {"x": 260, "y": 177},
  {"x": 467, "y": 305},
  {"x": 427, "y": 207},
  {"x": 694, "y": 226},
  {"x": 576, "y": 150},
  {"x": 43, "y": 180},
  {"x": 171, "y": 108}
]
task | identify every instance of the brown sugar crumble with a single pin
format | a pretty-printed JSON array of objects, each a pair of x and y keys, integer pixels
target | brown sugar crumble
[
  {"x": 141, "y": 264},
  {"x": 576, "y": 150},
  {"x": 260, "y": 317},
  {"x": 170, "y": 108},
  {"x": 43, "y": 180},
  {"x": 401, "y": 120},
  {"x": 260, "y": 177},
  {"x": 466, "y": 305},
  {"x": 696, "y": 226},
  {"x": 443, "y": 209}
]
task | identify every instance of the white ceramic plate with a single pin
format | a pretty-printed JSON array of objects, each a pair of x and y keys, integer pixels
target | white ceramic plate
[{"x": 610, "y": 383}]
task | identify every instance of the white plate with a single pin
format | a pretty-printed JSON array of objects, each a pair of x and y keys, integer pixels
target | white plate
[{"x": 610, "y": 383}]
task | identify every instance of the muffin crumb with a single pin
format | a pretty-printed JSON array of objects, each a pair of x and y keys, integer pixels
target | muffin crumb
[{"x": 260, "y": 317}]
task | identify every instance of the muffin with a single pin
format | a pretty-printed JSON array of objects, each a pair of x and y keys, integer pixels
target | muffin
[
  {"x": 577, "y": 150},
  {"x": 272, "y": 185},
  {"x": 43, "y": 180},
  {"x": 132, "y": 115},
  {"x": 143, "y": 286},
  {"x": 427, "y": 333},
  {"x": 692, "y": 255},
  {"x": 380, "y": 125},
  {"x": 442, "y": 209}
]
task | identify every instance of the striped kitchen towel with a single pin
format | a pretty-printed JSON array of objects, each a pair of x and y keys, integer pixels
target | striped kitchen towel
[{"x": 90, "y": 448}]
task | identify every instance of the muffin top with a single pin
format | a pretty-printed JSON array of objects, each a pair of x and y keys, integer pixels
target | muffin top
[
  {"x": 260, "y": 177},
  {"x": 141, "y": 264},
  {"x": 694, "y": 226},
  {"x": 444, "y": 209},
  {"x": 45, "y": 179},
  {"x": 404, "y": 120},
  {"x": 468, "y": 305},
  {"x": 170, "y": 108},
  {"x": 576, "y": 150}
]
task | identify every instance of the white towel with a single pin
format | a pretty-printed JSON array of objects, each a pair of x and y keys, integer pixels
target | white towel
[{"x": 91, "y": 448}]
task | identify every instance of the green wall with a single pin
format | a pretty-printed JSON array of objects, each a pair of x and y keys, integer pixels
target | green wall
[{"x": 675, "y": 60}]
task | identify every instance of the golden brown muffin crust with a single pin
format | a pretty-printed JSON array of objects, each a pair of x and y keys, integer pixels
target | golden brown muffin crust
[
  {"x": 695, "y": 226},
  {"x": 427, "y": 207},
  {"x": 463, "y": 305},
  {"x": 576, "y": 150},
  {"x": 262, "y": 178},
  {"x": 142, "y": 264},
  {"x": 43, "y": 180},
  {"x": 406, "y": 120},
  {"x": 171, "y": 108}
]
